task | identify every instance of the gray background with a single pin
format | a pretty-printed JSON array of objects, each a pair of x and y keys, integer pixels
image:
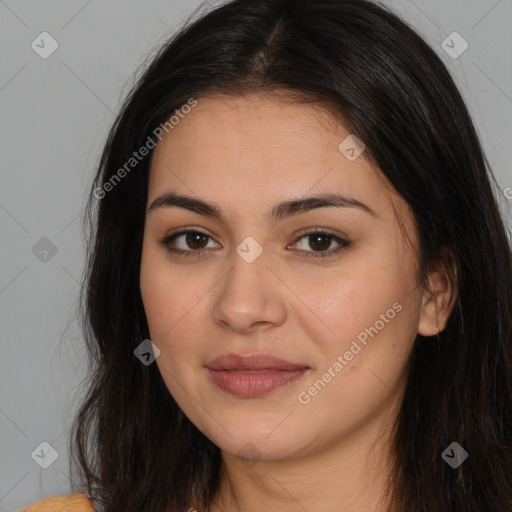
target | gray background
[{"x": 55, "y": 115}]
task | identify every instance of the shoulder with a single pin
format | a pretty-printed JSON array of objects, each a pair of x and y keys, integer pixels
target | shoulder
[{"x": 72, "y": 503}]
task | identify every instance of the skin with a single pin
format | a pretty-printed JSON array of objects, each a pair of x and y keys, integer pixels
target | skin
[{"x": 246, "y": 154}]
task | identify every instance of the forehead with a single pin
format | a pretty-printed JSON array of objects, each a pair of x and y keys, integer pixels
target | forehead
[
  {"x": 254, "y": 121},
  {"x": 256, "y": 149}
]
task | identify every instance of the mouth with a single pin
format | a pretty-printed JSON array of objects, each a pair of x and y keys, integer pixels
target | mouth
[{"x": 253, "y": 375}]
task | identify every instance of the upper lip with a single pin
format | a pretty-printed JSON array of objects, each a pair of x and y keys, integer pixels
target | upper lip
[{"x": 252, "y": 362}]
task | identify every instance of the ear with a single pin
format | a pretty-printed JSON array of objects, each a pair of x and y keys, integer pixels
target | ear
[{"x": 438, "y": 302}]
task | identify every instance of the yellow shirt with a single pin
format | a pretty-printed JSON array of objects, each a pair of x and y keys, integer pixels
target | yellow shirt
[{"x": 73, "y": 503}]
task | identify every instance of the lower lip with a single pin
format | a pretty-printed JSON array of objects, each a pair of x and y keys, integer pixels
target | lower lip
[{"x": 247, "y": 384}]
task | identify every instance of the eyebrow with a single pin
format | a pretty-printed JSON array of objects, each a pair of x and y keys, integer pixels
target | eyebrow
[{"x": 276, "y": 214}]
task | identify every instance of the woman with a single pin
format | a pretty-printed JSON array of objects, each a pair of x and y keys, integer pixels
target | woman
[{"x": 299, "y": 283}]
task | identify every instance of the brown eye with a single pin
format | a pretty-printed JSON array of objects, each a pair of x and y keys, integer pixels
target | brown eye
[
  {"x": 196, "y": 240},
  {"x": 318, "y": 243},
  {"x": 187, "y": 243}
]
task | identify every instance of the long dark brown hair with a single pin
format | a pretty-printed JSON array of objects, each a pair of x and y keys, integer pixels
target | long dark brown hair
[{"x": 134, "y": 448}]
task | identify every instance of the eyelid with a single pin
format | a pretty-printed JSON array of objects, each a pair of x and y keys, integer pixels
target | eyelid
[
  {"x": 318, "y": 229},
  {"x": 187, "y": 229}
]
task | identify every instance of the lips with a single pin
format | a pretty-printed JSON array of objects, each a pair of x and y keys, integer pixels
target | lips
[
  {"x": 253, "y": 375},
  {"x": 254, "y": 362}
]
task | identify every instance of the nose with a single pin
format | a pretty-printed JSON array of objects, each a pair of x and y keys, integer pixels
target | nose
[{"x": 250, "y": 297}]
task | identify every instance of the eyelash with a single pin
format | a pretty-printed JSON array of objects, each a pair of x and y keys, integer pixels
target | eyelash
[{"x": 344, "y": 244}]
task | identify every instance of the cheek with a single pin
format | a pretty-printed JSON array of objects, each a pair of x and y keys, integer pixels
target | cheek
[
  {"x": 345, "y": 304},
  {"x": 369, "y": 317},
  {"x": 170, "y": 297},
  {"x": 364, "y": 362},
  {"x": 172, "y": 305}
]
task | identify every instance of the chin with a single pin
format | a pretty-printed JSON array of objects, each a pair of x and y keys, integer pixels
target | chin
[
  {"x": 256, "y": 448},
  {"x": 257, "y": 440}
]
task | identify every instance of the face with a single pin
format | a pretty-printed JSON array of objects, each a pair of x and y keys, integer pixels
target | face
[{"x": 314, "y": 305}]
